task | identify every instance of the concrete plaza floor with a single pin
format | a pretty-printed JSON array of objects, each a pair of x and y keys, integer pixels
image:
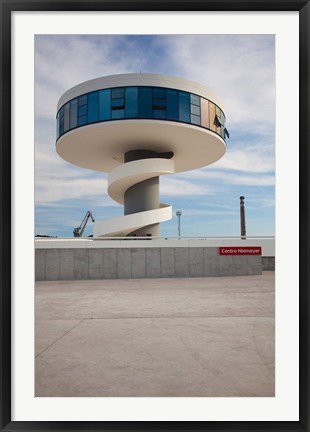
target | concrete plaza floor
[{"x": 156, "y": 337}]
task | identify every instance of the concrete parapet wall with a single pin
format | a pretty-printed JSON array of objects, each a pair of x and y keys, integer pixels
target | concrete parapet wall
[
  {"x": 268, "y": 263},
  {"x": 267, "y": 244},
  {"x": 131, "y": 262}
]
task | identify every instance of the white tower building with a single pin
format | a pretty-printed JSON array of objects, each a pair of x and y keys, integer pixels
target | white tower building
[{"x": 137, "y": 127}]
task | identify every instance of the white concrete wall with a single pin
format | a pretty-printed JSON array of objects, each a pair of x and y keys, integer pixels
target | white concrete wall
[
  {"x": 152, "y": 262},
  {"x": 268, "y": 245}
]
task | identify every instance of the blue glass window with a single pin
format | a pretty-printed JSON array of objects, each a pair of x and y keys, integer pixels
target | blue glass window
[
  {"x": 195, "y": 119},
  {"x": 159, "y": 103},
  {"x": 61, "y": 114},
  {"x": 73, "y": 113},
  {"x": 83, "y": 100},
  {"x": 118, "y": 114},
  {"x": 82, "y": 110},
  {"x": 141, "y": 102},
  {"x": 105, "y": 104},
  {"x": 159, "y": 92},
  {"x": 57, "y": 125},
  {"x": 82, "y": 120},
  {"x": 131, "y": 105},
  {"x": 195, "y": 110},
  {"x": 172, "y": 105},
  {"x": 118, "y": 92},
  {"x": 145, "y": 102},
  {"x": 66, "y": 117},
  {"x": 184, "y": 107},
  {"x": 93, "y": 107},
  {"x": 159, "y": 114},
  {"x": 61, "y": 121},
  {"x": 118, "y": 103},
  {"x": 195, "y": 100}
]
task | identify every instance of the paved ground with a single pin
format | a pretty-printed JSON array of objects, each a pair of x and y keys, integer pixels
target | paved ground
[{"x": 156, "y": 337}]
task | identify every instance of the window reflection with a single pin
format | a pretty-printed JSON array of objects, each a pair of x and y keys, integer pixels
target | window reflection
[
  {"x": 195, "y": 100},
  {"x": 82, "y": 120},
  {"x": 172, "y": 104},
  {"x": 118, "y": 114},
  {"x": 195, "y": 119},
  {"x": 82, "y": 110},
  {"x": 184, "y": 112},
  {"x": 145, "y": 102},
  {"x": 73, "y": 113},
  {"x": 159, "y": 114},
  {"x": 159, "y": 103},
  {"x": 83, "y": 100},
  {"x": 212, "y": 116},
  {"x": 118, "y": 103},
  {"x": 61, "y": 121},
  {"x": 205, "y": 121},
  {"x": 118, "y": 92},
  {"x": 131, "y": 102},
  {"x": 195, "y": 110},
  {"x": 66, "y": 117},
  {"x": 105, "y": 104},
  {"x": 93, "y": 107}
]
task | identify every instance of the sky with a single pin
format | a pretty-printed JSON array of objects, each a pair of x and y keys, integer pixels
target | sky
[{"x": 240, "y": 69}]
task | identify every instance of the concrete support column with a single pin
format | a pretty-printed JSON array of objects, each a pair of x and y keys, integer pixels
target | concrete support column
[{"x": 142, "y": 196}]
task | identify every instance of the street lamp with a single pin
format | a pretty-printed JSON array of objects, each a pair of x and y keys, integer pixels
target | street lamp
[{"x": 179, "y": 214}]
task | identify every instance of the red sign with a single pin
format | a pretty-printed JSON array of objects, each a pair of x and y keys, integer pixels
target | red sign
[{"x": 240, "y": 250}]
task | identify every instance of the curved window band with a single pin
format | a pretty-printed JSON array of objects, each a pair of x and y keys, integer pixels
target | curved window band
[{"x": 140, "y": 102}]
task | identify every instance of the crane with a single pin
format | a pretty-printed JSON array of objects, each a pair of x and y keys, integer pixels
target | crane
[{"x": 78, "y": 232}]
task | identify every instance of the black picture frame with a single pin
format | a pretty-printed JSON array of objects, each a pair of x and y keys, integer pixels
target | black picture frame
[{"x": 6, "y": 8}]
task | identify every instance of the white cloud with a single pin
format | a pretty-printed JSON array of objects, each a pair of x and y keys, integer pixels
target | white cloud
[
  {"x": 62, "y": 62},
  {"x": 58, "y": 189},
  {"x": 176, "y": 187},
  {"x": 57, "y": 180},
  {"x": 229, "y": 178}
]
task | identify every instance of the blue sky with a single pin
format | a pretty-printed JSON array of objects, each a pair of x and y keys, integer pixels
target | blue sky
[{"x": 239, "y": 68}]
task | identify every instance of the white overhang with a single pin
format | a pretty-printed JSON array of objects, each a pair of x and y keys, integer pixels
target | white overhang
[
  {"x": 138, "y": 79},
  {"x": 101, "y": 146}
]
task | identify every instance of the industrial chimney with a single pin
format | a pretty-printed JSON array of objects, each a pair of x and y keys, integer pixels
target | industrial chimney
[{"x": 242, "y": 218}]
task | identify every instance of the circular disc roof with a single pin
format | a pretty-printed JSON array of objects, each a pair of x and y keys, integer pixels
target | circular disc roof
[{"x": 139, "y": 79}]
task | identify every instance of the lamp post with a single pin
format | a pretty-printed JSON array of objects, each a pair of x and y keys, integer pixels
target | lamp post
[{"x": 179, "y": 214}]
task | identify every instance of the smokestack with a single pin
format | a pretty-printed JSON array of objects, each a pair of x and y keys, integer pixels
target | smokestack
[{"x": 242, "y": 218}]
